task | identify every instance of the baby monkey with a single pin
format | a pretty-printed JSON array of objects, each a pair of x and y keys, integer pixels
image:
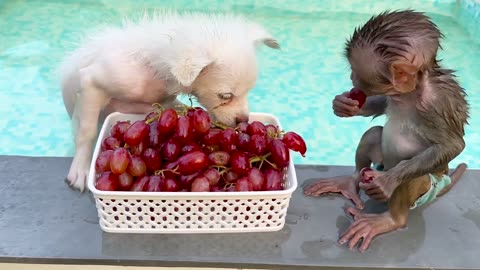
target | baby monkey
[{"x": 393, "y": 60}]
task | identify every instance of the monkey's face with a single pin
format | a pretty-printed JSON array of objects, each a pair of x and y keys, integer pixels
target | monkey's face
[
  {"x": 365, "y": 77},
  {"x": 376, "y": 77}
]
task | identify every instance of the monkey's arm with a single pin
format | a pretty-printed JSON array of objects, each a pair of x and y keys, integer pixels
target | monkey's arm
[
  {"x": 374, "y": 106},
  {"x": 432, "y": 159}
]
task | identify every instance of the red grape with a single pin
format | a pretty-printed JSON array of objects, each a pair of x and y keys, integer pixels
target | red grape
[
  {"x": 167, "y": 122},
  {"x": 184, "y": 129},
  {"x": 154, "y": 184},
  {"x": 295, "y": 142},
  {"x": 107, "y": 182},
  {"x": 150, "y": 116},
  {"x": 171, "y": 150},
  {"x": 189, "y": 147},
  {"x": 191, "y": 111},
  {"x": 358, "y": 95},
  {"x": 231, "y": 176},
  {"x": 212, "y": 137},
  {"x": 256, "y": 127},
  {"x": 240, "y": 162},
  {"x": 212, "y": 175},
  {"x": 273, "y": 180},
  {"x": 139, "y": 184},
  {"x": 211, "y": 148},
  {"x": 102, "y": 164},
  {"x": 242, "y": 127},
  {"x": 192, "y": 162},
  {"x": 154, "y": 139},
  {"x": 280, "y": 153},
  {"x": 119, "y": 160},
  {"x": 243, "y": 185},
  {"x": 136, "y": 133},
  {"x": 152, "y": 159},
  {"x": 186, "y": 180},
  {"x": 255, "y": 176},
  {"x": 271, "y": 130},
  {"x": 201, "y": 122},
  {"x": 170, "y": 166},
  {"x": 138, "y": 149},
  {"x": 219, "y": 158},
  {"x": 243, "y": 141},
  {"x": 228, "y": 137},
  {"x": 137, "y": 166},
  {"x": 169, "y": 185},
  {"x": 230, "y": 189},
  {"x": 119, "y": 129},
  {"x": 125, "y": 181},
  {"x": 216, "y": 189},
  {"x": 363, "y": 177},
  {"x": 110, "y": 143},
  {"x": 201, "y": 184},
  {"x": 258, "y": 144}
]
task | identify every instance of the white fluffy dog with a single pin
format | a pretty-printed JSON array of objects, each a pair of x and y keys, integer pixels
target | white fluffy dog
[{"x": 127, "y": 69}]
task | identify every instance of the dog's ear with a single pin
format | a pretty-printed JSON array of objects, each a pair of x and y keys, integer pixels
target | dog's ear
[
  {"x": 187, "y": 68},
  {"x": 260, "y": 36}
]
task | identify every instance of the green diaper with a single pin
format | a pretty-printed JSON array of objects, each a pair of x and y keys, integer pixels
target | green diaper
[{"x": 436, "y": 185}]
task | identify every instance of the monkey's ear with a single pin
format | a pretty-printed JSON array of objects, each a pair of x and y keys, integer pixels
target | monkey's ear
[{"x": 404, "y": 76}]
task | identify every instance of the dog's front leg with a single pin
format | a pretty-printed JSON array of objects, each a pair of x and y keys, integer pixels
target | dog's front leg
[{"x": 92, "y": 99}]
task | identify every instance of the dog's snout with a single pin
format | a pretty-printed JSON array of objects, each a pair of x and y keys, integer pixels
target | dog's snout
[{"x": 241, "y": 118}]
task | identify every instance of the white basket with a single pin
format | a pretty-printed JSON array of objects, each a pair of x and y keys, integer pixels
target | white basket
[{"x": 190, "y": 212}]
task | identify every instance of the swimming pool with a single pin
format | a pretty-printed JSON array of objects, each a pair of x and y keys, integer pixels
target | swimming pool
[{"x": 297, "y": 83}]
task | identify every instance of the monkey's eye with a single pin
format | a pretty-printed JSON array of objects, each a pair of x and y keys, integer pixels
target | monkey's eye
[{"x": 225, "y": 96}]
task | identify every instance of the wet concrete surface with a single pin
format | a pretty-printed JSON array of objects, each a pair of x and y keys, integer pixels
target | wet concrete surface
[{"x": 43, "y": 221}]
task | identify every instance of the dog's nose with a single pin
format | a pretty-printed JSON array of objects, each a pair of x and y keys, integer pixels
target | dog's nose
[{"x": 241, "y": 118}]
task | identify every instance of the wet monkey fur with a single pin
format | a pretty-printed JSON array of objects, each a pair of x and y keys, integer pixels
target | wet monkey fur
[{"x": 393, "y": 59}]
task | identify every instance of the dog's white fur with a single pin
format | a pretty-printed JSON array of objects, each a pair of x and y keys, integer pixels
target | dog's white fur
[{"x": 152, "y": 60}]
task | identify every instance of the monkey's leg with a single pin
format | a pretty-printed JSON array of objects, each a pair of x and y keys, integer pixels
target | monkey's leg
[
  {"x": 368, "y": 226},
  {"x": 369, "y": 150}
]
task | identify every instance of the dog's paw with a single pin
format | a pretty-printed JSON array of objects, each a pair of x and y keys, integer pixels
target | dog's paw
[{"x": 77, "y": 176}]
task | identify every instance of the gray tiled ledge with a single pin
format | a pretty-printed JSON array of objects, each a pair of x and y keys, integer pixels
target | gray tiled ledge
[{"x": 43, "y": 221}]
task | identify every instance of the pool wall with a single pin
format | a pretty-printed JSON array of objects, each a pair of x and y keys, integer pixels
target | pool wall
[{"x": 468, "y": 15}]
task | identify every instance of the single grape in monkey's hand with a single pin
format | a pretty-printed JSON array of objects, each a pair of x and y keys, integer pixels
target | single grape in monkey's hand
[{"x": 358, "y": 95}]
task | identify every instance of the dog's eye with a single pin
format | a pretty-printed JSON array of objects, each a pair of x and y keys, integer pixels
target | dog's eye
[{"x": 225, "y": 96}]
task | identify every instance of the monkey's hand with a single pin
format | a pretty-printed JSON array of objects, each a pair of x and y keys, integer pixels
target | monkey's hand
[
  {"x": 381, "y": 188},
  {"x": 343, "y": 106}
]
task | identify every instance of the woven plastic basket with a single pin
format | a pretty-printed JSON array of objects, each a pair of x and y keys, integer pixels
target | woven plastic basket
[{"x": 189, "y": 212}]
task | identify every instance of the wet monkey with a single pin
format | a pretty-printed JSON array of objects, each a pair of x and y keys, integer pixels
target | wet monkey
[{"x": 393, "y": 59}]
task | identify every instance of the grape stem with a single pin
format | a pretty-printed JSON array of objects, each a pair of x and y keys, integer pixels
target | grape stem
[
  {"x": 158, "y": 107},
  {"x": 219, "y": 125},
  {"x": 228, "y": 186},
  {"x": 221, "y": 169},
  {"x": 158, "y": 111},
  {"x": 262, "y": 159},
  {"x": 153, "y": 119},
  {"x": 161, "y": 172}
]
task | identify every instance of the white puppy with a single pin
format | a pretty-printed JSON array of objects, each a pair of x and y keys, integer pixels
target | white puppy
[{"x": 127, "y": 69}]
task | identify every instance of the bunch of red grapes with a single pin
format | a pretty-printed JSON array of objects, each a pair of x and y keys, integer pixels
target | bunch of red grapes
[{"x": 171, "y": 151}]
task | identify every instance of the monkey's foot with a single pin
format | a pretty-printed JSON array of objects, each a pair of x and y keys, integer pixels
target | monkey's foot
[
  {"x": 346, "y": 185},
  {"x": 366, "y": 227}
]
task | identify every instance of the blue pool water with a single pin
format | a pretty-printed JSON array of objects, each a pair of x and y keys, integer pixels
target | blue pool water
[{"x": 297, "y": 83}]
